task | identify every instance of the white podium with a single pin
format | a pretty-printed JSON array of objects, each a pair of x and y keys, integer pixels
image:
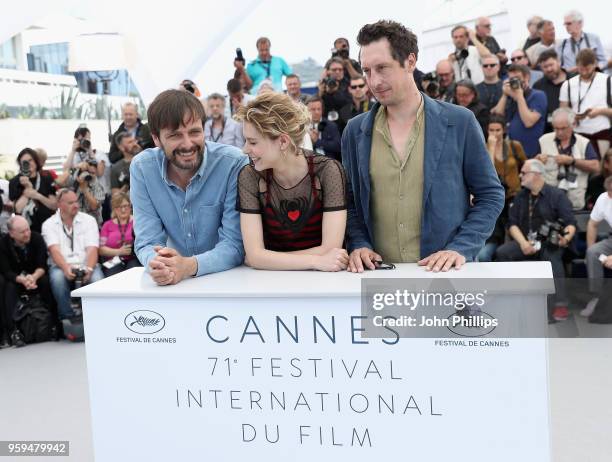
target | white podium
[{"x": 272, "y": 366}]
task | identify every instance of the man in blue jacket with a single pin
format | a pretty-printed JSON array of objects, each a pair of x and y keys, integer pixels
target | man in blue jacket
[{"x": 412, "y": 164}]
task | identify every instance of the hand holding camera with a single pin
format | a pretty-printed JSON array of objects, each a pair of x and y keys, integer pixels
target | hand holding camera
[{"x": 513, "y": 88}]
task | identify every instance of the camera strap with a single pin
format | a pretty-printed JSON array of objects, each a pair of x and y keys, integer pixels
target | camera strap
[
  {"x": 267, "y": 67},
  {"x": 220, "y": 135}
]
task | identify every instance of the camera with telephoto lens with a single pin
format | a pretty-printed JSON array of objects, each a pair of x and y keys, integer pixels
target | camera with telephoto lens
[
  {"x": 331, "y": 84},
  {"x": 79, "y": 275},
  {"x": 515, "y": 83},
  {"x": 565, "y": 175},
  {"x": 343, "y": 53},
  {"x": 462, "y": 54},
  {"x": 433, "y": 86},
  {"x": 84, "y": 145},
  {"x": 550, "y": 232},
  {"x": 24, "y": 168}
]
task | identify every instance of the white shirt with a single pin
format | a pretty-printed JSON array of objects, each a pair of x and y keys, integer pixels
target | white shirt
[
  {"x": 472, "y": 64},
  {"x": 591, "y": 95},
  {"x": 602, "y": 209},
  {"x": 84, "y": 234}
]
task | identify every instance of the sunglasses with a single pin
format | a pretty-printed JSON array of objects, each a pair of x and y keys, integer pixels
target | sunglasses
[
  {"x": 489, "y": 65},
  {"x": 355, "y": 87},
  {"x": 516, "y": 58}
]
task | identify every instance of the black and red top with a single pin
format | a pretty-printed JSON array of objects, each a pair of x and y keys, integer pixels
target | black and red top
[{"x": 292, "y": 218}]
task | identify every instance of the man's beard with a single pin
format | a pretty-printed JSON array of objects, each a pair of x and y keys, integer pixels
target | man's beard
[{"x": 176, "y": 160}]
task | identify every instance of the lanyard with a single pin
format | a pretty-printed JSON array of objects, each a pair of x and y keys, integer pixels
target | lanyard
[
  {"x": 220, "y": 135},
  {"x": 580, "y": 100},
  {"x": 69, "y": 236},
  {"x": 122, "y": 230},
  {"x": 266, "y": 65},
  {"x": 532, "y": 206}
]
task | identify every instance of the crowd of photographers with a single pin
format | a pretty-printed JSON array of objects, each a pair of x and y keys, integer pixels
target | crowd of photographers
[{"x": 545, "y": 112}]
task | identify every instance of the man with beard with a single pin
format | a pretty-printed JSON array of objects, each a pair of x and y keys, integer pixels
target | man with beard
[
  {"x": 554, "y": 76},
  {"x": 184, "y": 195}
]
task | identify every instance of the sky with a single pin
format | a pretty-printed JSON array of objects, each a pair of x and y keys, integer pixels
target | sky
[{"x": 167, "y": 42}]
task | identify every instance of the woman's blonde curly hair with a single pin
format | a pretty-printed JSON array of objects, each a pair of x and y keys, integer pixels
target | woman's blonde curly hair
[{"x": 275, "y": 114}]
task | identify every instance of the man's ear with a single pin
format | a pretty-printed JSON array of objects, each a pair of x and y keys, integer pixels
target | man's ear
[
  {"x": 156, "y": 140},
  {"x": 410, "y": 62}
]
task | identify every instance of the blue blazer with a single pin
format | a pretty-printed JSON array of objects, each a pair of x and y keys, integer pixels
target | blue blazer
[{"x": 456, "y": 164}]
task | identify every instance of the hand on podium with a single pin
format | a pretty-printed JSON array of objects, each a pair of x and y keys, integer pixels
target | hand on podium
[
  {"x": 443, "y": 261},
  {"x": 169, "y": 267}
]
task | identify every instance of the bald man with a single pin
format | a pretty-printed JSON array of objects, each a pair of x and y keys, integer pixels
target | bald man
[
  {"x": 445, "y": 72},
  {"x": 23, "y": 264}
]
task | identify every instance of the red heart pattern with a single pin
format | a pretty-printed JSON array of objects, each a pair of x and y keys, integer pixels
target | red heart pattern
[{"x": 293, "y": 215}]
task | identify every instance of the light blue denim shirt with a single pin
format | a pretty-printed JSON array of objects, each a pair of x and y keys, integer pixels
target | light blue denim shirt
[{"x": 201, "y": 221}]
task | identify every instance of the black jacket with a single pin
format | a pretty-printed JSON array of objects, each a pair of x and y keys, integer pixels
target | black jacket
[
  {"x": 143, "y": 136},
  {"x": 14, "y": 260},
  {"x": 329, "y": 140}
]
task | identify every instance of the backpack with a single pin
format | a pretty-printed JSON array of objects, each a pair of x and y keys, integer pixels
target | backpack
[{"x": 33, "y": 319}]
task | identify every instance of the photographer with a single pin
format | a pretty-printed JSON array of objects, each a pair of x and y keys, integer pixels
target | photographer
[
  {"x": 323, "y": 133},
  {"x": 341, "y": 50},
  {"x": 81, "y": 151},
  {"x": 589, "y": 95},
  {"x": 466, "y": 58},
  {"x": 440, "y": 84},
  {"x": 72, "y": 240},
  {"x": 568, "y": 158},
  {"x": 132, "y": 124},
  {"x": 266, "y": 67},
  {"x": 541, "y": 224},
  {"x": 524, "y": 109},
  {"x": 33, "y": 194},
  {"x": 219, "y": 128},
  {"x": 333, "y": 90},
  {"x": 466, "y": 95},
  {"x": 23, "y": 264},
  {"x": 89, "y": 191},
  {"x": 120, "y": 173}
]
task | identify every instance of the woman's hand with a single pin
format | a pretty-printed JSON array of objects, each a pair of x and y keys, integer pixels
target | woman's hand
[{"x": 333, "y": 260}]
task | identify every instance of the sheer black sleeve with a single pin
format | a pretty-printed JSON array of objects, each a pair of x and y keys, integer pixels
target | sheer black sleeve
[
  {"x": 333, "y": 185},
  {"x": 247, "y": 199}
]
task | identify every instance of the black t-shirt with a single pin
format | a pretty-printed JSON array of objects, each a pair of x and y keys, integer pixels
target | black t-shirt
[
  {"x": 490, "y": 93},
  {"x": 552, "y": 91},
  {"x": 14, "y": 260},
  {"x": 40, "y": 212}
]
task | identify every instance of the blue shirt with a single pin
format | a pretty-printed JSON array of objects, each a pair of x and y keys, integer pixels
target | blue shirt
[
  {"x": 529, "y": 137},
  {"x": 567, "y": 50},
  {"x": 201, "y": 221},
  {"x": 274, "y": 70}
]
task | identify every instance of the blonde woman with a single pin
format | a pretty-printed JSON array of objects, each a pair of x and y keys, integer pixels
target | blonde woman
[
  {"x": 117, "y": 237},
  {"x": 292, "y": 203}
]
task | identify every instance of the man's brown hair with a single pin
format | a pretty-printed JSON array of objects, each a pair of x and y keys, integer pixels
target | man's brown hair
[
  {"x": 169, "y": 109},
  {"x": 586, "y": 57},
  {"x": 402, "y": 40}
]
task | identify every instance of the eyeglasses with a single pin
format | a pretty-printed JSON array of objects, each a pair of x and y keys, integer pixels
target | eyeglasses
[
  {"x": 355, "y": 87},
  {"x": 516, "y": 58},
  {"x": 489, "y": 65},
  {"x": 124, "y": 206}
]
